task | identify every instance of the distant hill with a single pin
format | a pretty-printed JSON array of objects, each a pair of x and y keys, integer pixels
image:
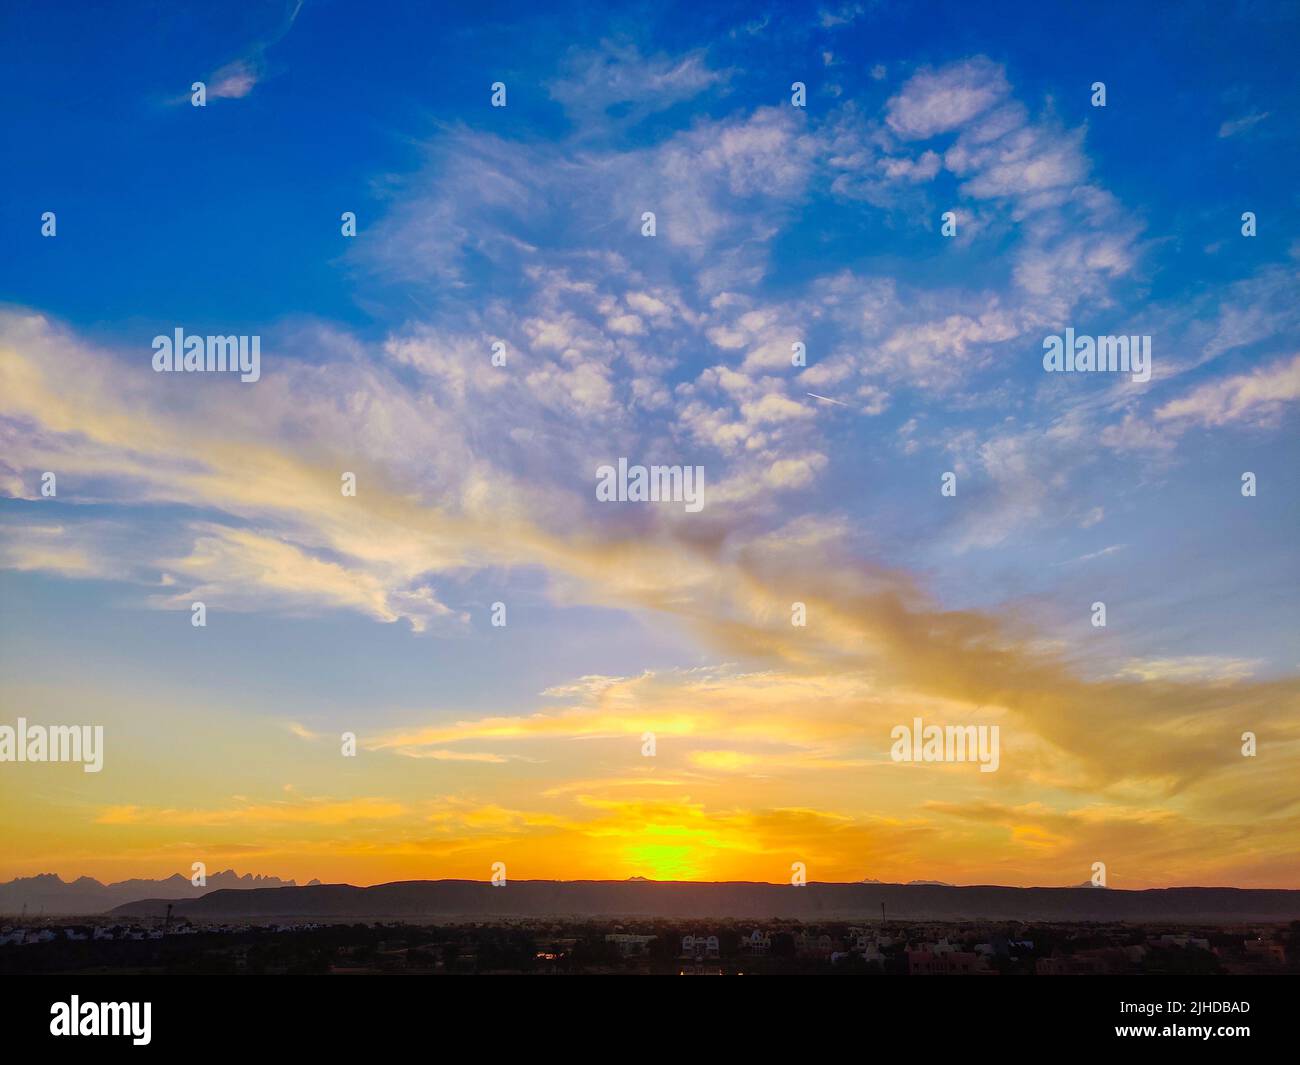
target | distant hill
[
  {"x": 50, "y": 894},
  {"x": 910, "y": 883},
  {"x": 674, "y": 899}
]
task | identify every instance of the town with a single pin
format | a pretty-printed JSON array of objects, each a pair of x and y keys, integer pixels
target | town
[{"x": 554, "y": 946}]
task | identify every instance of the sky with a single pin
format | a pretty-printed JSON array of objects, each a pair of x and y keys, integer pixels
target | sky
[{"x": 649, "y": 706}]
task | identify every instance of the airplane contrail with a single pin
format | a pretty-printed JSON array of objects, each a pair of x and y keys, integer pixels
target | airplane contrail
[{"x": 827, "y": 399}]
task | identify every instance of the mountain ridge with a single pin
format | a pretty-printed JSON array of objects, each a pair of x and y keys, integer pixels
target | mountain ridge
[
  {"x": 50, "y": 893},
  {"x": 732, "y": 899}
]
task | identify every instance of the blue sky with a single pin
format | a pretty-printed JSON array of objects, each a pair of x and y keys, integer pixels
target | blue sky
[
  {"x": 345, "y": 105},
  {"x": 775, "y": 223}
]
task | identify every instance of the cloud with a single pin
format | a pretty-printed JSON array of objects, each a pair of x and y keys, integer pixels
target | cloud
[
  {"x": 320, "y": 811},
  {"x": 1214, "y": 668},
  {"x": 1232, "y": 127},
  {"x": 615, "y": 84},
  {"x": 840, "y": 15},
  {"x": 240, "y": 569},
  {"x": 239, "y": 77},
  {"x": 234, "y": 81},
  {"x": 51, "y": 548},
  {"x": 287, "y": 539},
  {"x": 456, "y": 756},
  {"x": 1252, "y": 398},
  {"x": 938, "y": 101},
  {"x": 717, "y": 190}
]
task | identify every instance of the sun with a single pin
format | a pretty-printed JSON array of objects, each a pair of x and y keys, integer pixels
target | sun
[{"x": 662, "y": 861}]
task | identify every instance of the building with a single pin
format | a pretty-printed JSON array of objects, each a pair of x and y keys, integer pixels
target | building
[
  {"x": 630, "y": 946},
  {"x": 699, "y": 947},
  {"x": 1183, "y": 941},
  {"x": 810, "y": 945},
  {"x": 1085, "y": 963},
  {"x": 1265, "y": 950},
  {"x": 946, "y": 963}
]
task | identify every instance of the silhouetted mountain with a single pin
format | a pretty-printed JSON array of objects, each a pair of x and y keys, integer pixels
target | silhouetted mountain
[
  {"x": 910, "y": 883},
  {"x": 50, "y": 894},
  {"x": 627, "y": 898}
]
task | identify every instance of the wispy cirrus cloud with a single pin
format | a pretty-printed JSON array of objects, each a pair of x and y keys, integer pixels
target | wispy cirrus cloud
[
  {"x": 237, "y": 78},
  {"x": 1257, "y": 396},
  {"x": 615, "y": 85},
  {"x": 1233, "y": 126}
]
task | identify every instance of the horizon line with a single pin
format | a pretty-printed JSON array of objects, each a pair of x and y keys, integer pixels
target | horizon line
[{"x": 288, "y": 882}]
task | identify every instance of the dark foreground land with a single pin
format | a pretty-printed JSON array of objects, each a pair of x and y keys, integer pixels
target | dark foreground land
[{"x": 114, "y": 945}]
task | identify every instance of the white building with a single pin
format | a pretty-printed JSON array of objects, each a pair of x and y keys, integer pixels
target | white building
[{"x": 700, "y": 946}]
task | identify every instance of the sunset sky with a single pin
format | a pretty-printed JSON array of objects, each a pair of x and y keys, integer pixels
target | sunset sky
[{"x": 476, "y": 483}]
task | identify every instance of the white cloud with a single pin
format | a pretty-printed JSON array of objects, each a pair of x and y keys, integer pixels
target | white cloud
[
  {"x": 1252, "y": 398},
  {"x": 937, "y": 101},
  {"x": 1234, "y": 126},
  {"x": 234, "y": 81},
  {"x": 616, "y": 77},
  {"x": 1191, "y": 668}
]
